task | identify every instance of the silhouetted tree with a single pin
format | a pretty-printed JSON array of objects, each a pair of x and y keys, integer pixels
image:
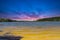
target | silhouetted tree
[{"x": 50, "y": 19}]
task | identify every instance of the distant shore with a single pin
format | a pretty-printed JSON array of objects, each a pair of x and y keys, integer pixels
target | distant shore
[{"x": 44, "y": 19}]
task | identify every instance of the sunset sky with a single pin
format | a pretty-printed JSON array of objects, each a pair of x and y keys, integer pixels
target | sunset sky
[{"x": 29, "y": 10}]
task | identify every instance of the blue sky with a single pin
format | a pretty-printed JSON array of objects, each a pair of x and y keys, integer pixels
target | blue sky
[{"x": 29, "y": 9}]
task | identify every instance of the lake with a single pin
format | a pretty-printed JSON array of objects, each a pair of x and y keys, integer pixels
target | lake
[
  {"x": 38, "y": 31},
  {"x": 29, "y": 24}
]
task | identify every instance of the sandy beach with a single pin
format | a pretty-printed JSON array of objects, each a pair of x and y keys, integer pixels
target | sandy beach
[{"x": 34, "y": 33}]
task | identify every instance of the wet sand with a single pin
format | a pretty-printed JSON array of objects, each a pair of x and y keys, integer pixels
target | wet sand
[{"x": 34, "y": 33}]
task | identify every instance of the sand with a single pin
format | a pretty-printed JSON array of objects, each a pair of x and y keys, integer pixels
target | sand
[{"x": 34, "y": 33}]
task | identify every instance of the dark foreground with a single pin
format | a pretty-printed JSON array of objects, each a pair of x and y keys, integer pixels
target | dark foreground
[{"x": 10, "y": 38}]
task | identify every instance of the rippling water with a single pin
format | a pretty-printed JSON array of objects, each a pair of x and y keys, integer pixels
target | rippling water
[
  {"x": 41, "y": 33},
  {"x": 29, "y": 24}
]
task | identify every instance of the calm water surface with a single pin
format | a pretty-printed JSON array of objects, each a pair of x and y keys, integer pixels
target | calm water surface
[{"x": 2, "y": 24}]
